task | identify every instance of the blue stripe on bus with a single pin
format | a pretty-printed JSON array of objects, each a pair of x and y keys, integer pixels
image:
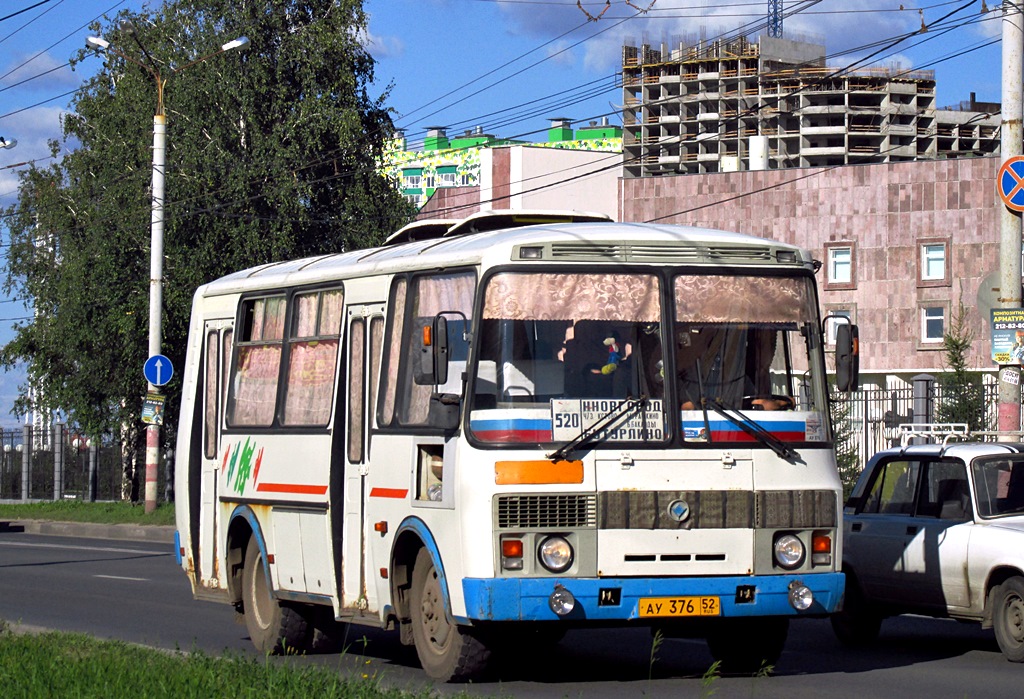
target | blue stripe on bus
[{"x": 526, "y": 599}]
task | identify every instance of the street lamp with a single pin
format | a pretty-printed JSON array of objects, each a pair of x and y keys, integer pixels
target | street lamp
[
  {"x": 156, "y": 249},
  {"x": 8, "y": 144}
]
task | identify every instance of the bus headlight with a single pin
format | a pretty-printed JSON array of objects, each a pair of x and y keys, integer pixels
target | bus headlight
[
  {"x": 555, "y": 554},
  {"x": 789, "y": 551},
  {"x": 800, "y": 596}
]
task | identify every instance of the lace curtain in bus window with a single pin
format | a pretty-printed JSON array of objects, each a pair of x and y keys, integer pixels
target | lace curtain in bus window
[
  {"x": 741, "y": 299},
  {"x": 356, "y": 389},
  {"x": 312, "y": 358},
  {"x": 610, "y": 297},
  {"x": 431, "y": 295},
  {"x": 212, "y": 365},
  {"x": 258, "y": 362},
  {"x": 396, "y": 319}
]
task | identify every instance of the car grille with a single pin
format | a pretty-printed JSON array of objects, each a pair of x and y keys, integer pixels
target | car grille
[{"x": 547, "y": 511}]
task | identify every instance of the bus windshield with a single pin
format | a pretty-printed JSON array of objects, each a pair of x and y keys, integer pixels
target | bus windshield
[{"x": 555, "y": 352}]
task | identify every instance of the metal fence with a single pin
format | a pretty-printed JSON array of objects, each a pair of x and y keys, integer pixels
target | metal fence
[
  {"x": 53, "y": 464},
  {"x": 873, "y": 415}
]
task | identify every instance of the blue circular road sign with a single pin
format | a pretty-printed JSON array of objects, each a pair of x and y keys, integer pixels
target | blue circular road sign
[
  {"x": 1011, "y": 183},
  {"x": 158, "y": 370}
]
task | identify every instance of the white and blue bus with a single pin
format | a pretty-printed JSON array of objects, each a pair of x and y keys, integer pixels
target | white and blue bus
[{"x": 513, "y": 425}]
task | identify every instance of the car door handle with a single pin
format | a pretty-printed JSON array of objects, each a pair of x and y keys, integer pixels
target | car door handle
[
  {"x": 856, "y": 526},
  {"x": 911, "y": 529}
]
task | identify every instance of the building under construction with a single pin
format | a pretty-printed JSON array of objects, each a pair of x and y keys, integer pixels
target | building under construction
[{"x": 728, "y": 105}]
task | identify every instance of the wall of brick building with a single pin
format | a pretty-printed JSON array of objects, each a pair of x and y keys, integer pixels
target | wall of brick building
[{"x": 886, "y": 211}]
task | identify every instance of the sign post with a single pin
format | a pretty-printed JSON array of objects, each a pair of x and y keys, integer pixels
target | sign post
[{"x": 158, "y": 371}]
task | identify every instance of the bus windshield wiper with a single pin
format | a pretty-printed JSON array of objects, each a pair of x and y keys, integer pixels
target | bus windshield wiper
[
  {"x": 623, "y": 410},
  {"x": 753, "y": 429}
]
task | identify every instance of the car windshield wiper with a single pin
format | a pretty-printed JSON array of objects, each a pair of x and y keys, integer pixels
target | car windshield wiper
[
  {"x": 623, "y": 410},
  {"x": 752, "y": 428}
]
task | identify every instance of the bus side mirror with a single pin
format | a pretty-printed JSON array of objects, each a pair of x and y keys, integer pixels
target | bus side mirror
[
  {"x": 432, "y": 369},
  {"x": 847, "y": 357}
]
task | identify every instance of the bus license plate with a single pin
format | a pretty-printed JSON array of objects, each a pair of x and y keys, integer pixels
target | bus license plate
[{"x": 679, "y": 606}]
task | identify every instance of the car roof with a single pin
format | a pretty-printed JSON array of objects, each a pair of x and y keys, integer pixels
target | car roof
[{"x": 961, "y": 450}]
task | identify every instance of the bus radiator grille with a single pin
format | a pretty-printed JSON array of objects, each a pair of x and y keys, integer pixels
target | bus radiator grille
[{"x": 575, "y": 511}]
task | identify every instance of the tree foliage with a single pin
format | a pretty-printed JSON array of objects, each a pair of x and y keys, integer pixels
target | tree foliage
[
  {"x": 271, "y": 154},
  {"x": 961, "y": 392}
]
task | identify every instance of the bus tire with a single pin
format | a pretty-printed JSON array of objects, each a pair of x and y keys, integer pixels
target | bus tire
[
  {"x": 856, "y": 625},
  {"x": 748, "y": 646},
  {"x": 274, "y": 627},
  {"x": 448, "y": 652}
]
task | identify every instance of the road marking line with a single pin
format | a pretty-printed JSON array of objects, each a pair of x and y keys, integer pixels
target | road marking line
[
  {"x": 82, "y": 548},
  {"x": 121, "y": 577}
]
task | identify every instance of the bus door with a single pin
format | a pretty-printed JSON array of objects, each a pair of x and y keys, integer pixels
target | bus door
[
  {"x": 217, "y": 340},
  {"x": 365, "y": 338}
]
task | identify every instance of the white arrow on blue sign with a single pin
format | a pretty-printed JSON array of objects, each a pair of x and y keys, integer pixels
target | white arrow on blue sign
[{"x": 158, "y": 370}]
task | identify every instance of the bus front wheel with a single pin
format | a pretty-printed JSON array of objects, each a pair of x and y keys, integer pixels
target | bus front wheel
[
  {"x": 447, "y": 651},
  {"x": 274, "y": 627}
]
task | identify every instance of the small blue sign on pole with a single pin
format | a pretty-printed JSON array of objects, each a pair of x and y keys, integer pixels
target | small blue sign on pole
[{"x": 158, "y": 370}]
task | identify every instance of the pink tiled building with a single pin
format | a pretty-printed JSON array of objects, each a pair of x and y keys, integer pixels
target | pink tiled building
[{"x": 901, "y": 244}]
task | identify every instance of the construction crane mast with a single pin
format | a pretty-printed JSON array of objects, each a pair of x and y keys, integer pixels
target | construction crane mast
[{"x": 775, "y": 18}]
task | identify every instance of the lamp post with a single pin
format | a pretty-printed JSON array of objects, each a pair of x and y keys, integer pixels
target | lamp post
[
  {"x": 156, "y": 249},
  {"x": 7, "y": 143}
]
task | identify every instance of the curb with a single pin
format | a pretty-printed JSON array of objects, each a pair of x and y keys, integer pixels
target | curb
[{"x": 123, "y": 532}]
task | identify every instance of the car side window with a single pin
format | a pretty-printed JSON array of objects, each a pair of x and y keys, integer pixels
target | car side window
[
  {"x": 945, "y": 493},
  {"x": 892, "y": 491}
]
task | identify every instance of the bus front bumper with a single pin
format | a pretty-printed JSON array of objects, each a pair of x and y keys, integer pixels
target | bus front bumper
[{"x": 647, "y": 599}]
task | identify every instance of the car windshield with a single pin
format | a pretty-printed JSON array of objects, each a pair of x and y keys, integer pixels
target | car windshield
[{"x": 999, "y": 486}]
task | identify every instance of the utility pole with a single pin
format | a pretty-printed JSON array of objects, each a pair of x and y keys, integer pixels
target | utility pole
[{"x": 1010, "y": 221}]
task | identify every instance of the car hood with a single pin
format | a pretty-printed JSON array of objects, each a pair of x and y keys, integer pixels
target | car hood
[{"x": 1013, "y": 524}]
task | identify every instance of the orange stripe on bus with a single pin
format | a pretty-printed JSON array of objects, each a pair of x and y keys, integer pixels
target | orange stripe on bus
[
  {"x": 537, "y": 472},
  {"x": 292, "y": 488},
  {"x": 388, "y": 492}
]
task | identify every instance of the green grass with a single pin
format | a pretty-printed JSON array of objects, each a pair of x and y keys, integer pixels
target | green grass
[
  {"x": 74, "y": 665},
  {"x": 94, "y": 512}
]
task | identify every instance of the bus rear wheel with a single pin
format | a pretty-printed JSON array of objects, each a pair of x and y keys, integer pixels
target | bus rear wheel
[
  {"x": 448, "y": 652},
  {"x": 274, "y": 626}
]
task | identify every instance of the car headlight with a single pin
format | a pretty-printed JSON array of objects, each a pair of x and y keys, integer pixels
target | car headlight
[
  {"x": 789, "y": 551},
  {"x": 555, "y": 554}
]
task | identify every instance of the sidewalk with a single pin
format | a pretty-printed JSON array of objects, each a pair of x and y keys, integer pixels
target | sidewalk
[{"x": 124, "y": 532}]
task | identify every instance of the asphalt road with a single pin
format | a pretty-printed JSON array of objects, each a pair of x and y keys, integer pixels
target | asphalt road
[{"x": 133, "y": 591}]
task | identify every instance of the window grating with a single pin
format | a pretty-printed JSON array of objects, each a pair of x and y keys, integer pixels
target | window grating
[
  {"x": 661, "y": 253},
  {"x": 547, "y": 511}
]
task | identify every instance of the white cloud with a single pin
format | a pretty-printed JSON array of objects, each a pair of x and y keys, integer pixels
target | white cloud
[
  {"x": 31, "y": 129},
  {"x": 42, "y": 73},
  {"x": 381, "y": 46}
]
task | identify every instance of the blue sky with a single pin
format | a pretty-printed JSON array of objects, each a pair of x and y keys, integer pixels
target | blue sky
[{"x": 504, "y": 65}]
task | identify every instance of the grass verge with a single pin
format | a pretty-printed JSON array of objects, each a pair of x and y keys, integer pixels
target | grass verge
[
  {"x": 73, "y": 665},
  {"x": 94, "y": 512}
]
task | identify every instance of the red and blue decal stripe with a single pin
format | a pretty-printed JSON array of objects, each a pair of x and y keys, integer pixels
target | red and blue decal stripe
[
  {"x": 516, "y": 429},
  {"x": 725, "y": 431}
]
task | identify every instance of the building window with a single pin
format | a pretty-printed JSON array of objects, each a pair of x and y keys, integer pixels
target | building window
[
  {"x": 839, "y": 265},
  {"x": 840, "y": 269},
  {"x": 833, "y": 323},
  {"x": 413, "y": 181},
  {"x": 933, "y": 262},
  {"x": 933, "y": 323}
]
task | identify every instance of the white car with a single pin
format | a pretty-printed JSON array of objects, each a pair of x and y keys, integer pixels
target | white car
[{"x": 937, "y": 529}]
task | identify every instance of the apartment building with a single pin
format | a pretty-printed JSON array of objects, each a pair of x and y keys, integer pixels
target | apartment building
[{"x": 729, "y": 105}]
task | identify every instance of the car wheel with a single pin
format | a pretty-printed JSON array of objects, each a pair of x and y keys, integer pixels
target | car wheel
[
  {"x": 748, "y": 646},
  {"x": 447, "y": 651},
  {"x": 856, "y": 624},
  {"x": 274, "y": 627},
  {"x": 1008, "y": 618}
]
